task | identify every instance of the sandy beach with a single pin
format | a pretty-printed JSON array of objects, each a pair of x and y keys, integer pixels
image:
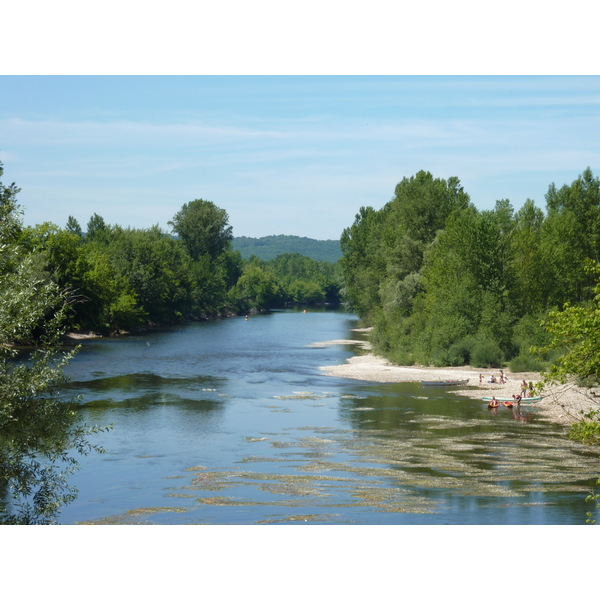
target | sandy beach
[{"x": 560, "y": 404}]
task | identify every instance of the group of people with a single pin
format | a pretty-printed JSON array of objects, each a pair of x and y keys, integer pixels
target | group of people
[
  {"x": 526, "y": 389},
  {"x": 495, "y": 403},
  {"x": 502, "y": 378}
]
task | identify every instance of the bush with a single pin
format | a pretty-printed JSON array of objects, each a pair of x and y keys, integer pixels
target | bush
[
  {"x": 400, "y": 357},
  {"x": 439, "y": 359},
  {"x": 460, "y": 352},
  {"x": 487, "y": 354},
  {"x": 526, "y": 363}
]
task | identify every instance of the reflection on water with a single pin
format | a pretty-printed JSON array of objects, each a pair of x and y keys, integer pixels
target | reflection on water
[{"x": 231, "y": 421}]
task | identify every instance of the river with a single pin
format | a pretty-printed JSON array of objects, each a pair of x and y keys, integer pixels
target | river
[{"x": 232, "y": 422}]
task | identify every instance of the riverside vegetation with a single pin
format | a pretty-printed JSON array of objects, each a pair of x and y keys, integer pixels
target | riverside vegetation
[
  {"x": 445, "y": 284},
  {"x": 109, "y": 279},
  {"x": 124, "y": 278},
  {"x": 441, "y": 282}
]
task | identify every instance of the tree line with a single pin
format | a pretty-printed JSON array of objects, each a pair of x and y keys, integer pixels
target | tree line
[
  {"x": 126, "y": 278},
  {"x": 443, "y": 283}
]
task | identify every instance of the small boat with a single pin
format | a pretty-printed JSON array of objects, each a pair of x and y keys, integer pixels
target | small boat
[
  {"x": 512, "y": 400},
  {"x": 446, "y": 382}
]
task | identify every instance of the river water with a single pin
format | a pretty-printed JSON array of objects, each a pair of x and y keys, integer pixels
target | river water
[{"x": 232, "y": 422}]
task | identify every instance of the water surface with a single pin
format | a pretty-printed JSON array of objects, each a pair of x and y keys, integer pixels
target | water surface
[{"x": 232, "y": 422}]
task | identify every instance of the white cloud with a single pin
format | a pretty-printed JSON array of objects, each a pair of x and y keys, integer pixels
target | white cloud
[{"x": 282, "y": 174}]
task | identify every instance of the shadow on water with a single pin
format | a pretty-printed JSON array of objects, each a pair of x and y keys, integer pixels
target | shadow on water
[{"x": 134, "y": 382}]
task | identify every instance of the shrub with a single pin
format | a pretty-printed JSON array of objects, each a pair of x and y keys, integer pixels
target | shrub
[
  {"x": 460, "y": 352},
  {"x": 400, "y": 357},
  {"x": 526, "y": 363},
  {"x": 487, "y": 354}
]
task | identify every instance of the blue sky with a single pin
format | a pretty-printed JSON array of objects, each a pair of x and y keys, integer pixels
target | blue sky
[{"x": 296, "y": 155}]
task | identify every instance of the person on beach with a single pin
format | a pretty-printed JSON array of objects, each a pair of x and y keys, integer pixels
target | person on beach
[
  {"x": 480, "y": 378},
  {"x": 524, "y": 389}
]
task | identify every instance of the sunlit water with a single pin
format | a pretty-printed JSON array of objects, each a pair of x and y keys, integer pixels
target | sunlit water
[{"x": 232, "y": 422}]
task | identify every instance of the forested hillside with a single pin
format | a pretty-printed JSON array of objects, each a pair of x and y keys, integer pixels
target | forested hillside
[
  {"x": 444, "y": 283},
  {"x": 269, "y": 247}
]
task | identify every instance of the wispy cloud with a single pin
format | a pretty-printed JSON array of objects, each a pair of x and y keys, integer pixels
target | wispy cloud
[{"x": 306, "y": 160}]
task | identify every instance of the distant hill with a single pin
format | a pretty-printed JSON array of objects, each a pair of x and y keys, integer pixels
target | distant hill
[{"x": 271, "y": 246}]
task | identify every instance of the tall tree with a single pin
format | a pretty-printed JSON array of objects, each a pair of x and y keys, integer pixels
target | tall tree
[
  {"x": 96, "y": 228},
  {"x": 73, "y": 226},
  {"x": 532, "y": 275},
  {"x": 363, "y": 265},
  {"x": 571, "y": 235},
  {"x": 203, "y": 228}
]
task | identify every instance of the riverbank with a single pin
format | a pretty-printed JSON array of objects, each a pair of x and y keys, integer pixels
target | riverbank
[
  {"x": 560, "y": 404},
  {"x": 75, "y": 335}
]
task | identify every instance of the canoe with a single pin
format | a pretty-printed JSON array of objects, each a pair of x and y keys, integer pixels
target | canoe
[
  {"x": 512, "y": 400},
  {"x": 446, "y": 382}
]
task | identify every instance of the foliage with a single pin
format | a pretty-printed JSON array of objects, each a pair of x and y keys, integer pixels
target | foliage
[
  {"x": 255, "y": 289},
  {"x": 576, "y": 330},
  {"x": 38, "y": 429},
  {"x": 122, "y": 279},
  {"x": 487, "y": 354},
  {"x": 203, "y": 228},
  {"x": 157, "y": 270},
  {"x": 73, "y": 226},
  {"x": 526, "y": 364},
  {"x": 444, "y": 283},
  {"x": 587, "y": 429},
  {"x": 303, "y": 280},
  {"x": 96, "y": 228},
  {"x": 362, "y": 263}
]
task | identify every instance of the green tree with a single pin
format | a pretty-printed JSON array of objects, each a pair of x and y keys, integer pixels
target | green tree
[
  {"x": 304, "y": 280},
  {"x": 203, "y": 228},
  {"x": 73, "y": 226},
  {"x": 575, "y": 332},
  {"x": 157, "y": 269},
  {"x": 421, "y": 205},
  {"x": 363, "y": 264},
  {"x": 110, "y": 302},
  {"x": 306, "y": 292},
  {"x": 533, "y": 278},
  {"x": 38, "y": 429},
  {"x": 571, "y": 234},
  {"x": 97, "y": 229},
  {"x": 255, "y": 289}
]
